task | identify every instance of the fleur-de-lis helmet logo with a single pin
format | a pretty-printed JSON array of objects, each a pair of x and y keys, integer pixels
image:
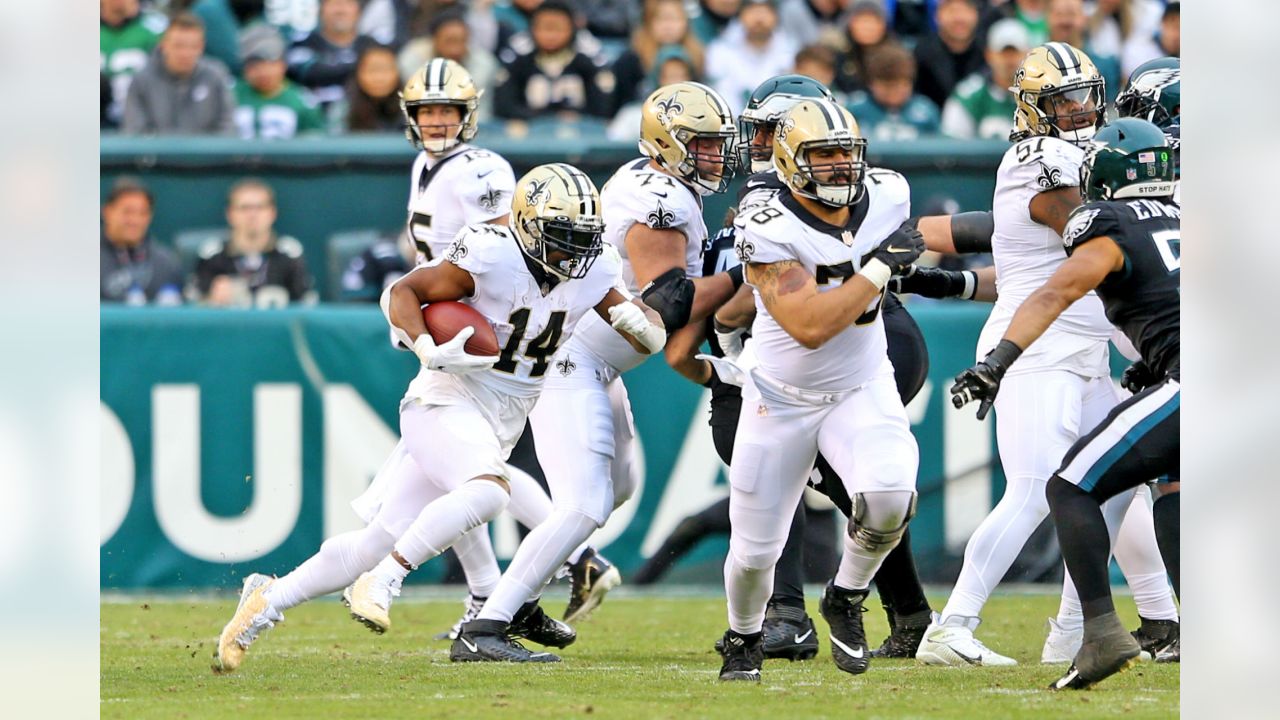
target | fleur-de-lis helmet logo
[
  {"x": 537, "y": 188},
  {"x": 668, "y": 109}
]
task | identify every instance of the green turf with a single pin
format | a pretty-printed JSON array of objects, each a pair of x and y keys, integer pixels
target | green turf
[{"x": 639, "y": 657}]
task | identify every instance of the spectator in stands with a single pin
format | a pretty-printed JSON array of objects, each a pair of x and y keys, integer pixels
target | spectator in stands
[
  {"x": 910, "y": 18},
  {"x": 819, "y": 63},
  {"x": 373, "y": 95},
  {"x": 608, "y": 18},
  {"x": 223, "y": 23},
  {"x": 104, "y": 101},
  {"x": 255, "y": 267},
  {"x": 134, "y": 268},
  {"x": 1166, "y": 42},
  {"x": 750, "y": 49},
  {"x": 811, "y": 21},
  {"x": 325, "y": 59},
  {"x": 1113, "y": 22},
  {"x": 1067, "y": 23},
  {"x": 515, "y": 21},
  {"x": 663, "y": 24},
  {"x": 713, "y": 18},
  {"x": 954, "y": 52},
  {"x": 672, "y": 65},
  {"x": 382, "y": 263},
  {"x": 1031, "y": 13},
  {"x": 449, "y": 36},
  {"x": 180, "y": 91},
  {"x": 554, "y": 79},
  {"x": 126, "y": 37},
  {"x": 268, "y": 105},
  {"x": 865, "y": 30},
  {"x": 889, "y": 109},
  {"x": 982, "y": 105},
  {"x": 388, "y": 22}
]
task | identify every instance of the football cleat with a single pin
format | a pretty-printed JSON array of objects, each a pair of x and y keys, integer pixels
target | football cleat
[
  {"x": 1107, "y": 649},
  {"x": 473, "y": 605},
  {"x": 1171, "y": 653},
  {"x": 369, "y": 598},
  {"x": 789, "y": 633},
  {"x": 742, "y": 657},
  {"x": 842, "y": 609},
  {"x": 253, "y": 616},
  {"x": 531, "y": 623},
  {"x": 1155, "y": 635},
  {"x": 487, "y": 641},
  {"x": 904, "y": 636},
  {"x": 591, "y": 578},
  {"x": 952, "y": 643},
  {"x": 1061, "y": 645}
]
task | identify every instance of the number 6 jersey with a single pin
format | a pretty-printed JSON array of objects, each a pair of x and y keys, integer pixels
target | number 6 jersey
[{"x": 782, "y": 229}]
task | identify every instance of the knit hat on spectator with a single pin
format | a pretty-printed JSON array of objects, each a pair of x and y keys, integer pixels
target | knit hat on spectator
[
  {"x": 749, "y": 3},
  {"x": 1008, "y": 33},
  {"x": 261, "y": 42},
  {"x": 865, "y": 6}
]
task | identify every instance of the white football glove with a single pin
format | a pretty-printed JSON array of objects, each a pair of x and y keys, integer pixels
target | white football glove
[
  {"x": 729, "y": 339},
  {"x": 627, "y": 317},
  {"x": 450, "y": 357}
]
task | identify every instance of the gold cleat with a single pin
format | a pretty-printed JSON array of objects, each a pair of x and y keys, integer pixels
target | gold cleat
[
  {"x": 369, "y": 598},
  {"x": 253, "y": 616}
]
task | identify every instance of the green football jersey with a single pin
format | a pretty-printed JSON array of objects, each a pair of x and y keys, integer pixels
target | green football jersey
[
  {"x": 124, "y": 50},
  {"x": 288, "y": 113}
]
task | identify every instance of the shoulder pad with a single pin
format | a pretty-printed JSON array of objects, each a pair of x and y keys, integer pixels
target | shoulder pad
[
  {"x": 887, "y": 185},
  {"x": 1088, "y": 221},
  {"x": 289, "y": 246}
]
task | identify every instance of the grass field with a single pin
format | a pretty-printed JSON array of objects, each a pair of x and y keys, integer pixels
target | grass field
[{"x": 640, "y": 656}]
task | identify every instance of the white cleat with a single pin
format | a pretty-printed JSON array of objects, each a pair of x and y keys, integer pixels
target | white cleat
[
  {"x": 1061, "y": 646},
  {"x": 369, "y": 598},
  {"x": 473, "y": 606},
  {"x": 953, "y": 644},
  {"x": 254, "y": 615}
]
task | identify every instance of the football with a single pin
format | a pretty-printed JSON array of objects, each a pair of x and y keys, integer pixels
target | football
[{"x": 446, "y": 319}]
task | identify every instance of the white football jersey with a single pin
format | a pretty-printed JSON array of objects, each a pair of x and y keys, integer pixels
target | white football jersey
[
  {"x": 465, "y": 187},
  {"x": 782, "y": 229},
  {"x": 1027, "y": 253},
  {"x": 639, "y": 194},
  {"x": 530, "y": 325}
]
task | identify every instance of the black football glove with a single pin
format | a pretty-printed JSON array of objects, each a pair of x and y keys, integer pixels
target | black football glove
[
  {"x": 900, "y": 249},
  {"x": 1138, "y": 377},
  {"x": 935, "y": 283},
  {"x": 982, "y": 381}
]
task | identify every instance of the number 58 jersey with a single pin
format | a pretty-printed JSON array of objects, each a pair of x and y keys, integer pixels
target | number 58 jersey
[
  {"x": 530, "y": 325},
  {"x": 782, "y": 229}
]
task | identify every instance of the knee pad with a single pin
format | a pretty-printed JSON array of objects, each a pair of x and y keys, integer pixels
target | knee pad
[
  {"x": 880, "y": 518},
  {"x": 753, "y": 556}
]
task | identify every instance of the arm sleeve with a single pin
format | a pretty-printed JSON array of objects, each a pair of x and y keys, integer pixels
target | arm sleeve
[{"x": 473, "y": 248}]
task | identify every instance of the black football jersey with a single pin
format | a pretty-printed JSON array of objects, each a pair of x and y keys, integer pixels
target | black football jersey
[{"x": 1143, "y": 298}]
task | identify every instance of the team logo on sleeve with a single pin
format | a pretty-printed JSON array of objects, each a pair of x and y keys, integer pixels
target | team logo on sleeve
[
  {"x": 744, "y": 250},
  {"x": 457, "y": 250},
  {"x": 491, "y": 198},
  {"x": 1077, "y": 225},
  {"x": 660, "y": 218},
  {"x": 1049, "y": 178}
]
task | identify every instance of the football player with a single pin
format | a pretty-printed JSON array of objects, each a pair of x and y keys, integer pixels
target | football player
[
  {"x": 817, "y": 376},
  {"x": 454, "y": 184},
  {"x": 582, "y": 425},
  {"x": 1123, "y": 243},
  {"x": 1063, "y": 388},
  {"x": 534, "y": 281}
]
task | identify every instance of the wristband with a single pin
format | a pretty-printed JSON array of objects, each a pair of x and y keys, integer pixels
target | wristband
[
  {"x": 1004, "y": 354},
  {"x": 735, "y": 274},
  {"x": 653, "y": 338},
  {"x": 876, "y": 272},
  {"x": 970, "y": 284}
]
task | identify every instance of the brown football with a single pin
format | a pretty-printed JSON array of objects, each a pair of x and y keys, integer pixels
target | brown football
[{"x": 445, "y": 319}]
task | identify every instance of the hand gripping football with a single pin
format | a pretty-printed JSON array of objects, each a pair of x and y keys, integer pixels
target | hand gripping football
[{"x": 445, "y": 319}]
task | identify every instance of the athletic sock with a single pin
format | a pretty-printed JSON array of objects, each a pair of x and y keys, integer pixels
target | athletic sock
[
  {"x": 340, "y": 560},
  {"x": 1085, "y": 544},
  {"x": 1168, "y": 532}
]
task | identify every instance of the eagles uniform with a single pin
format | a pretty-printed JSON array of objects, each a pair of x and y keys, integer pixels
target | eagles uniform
[{"x": 467, "y": 186}]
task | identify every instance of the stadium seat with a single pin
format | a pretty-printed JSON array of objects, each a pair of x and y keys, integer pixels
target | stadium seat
[
  {"x": 340, "y": 249},
  {"x": 191, "y": 244}
]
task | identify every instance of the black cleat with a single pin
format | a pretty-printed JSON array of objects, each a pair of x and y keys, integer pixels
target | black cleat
[
  {"x": 904, "y": 637},
  {"x": 1108, "y": 649},
  {"x": 531, "y": 623},
  {"x": 487, "y": 641},
  {"x": 1171, "y": 653},
  {"x": 591, "y": 578},
  {"x": 742, "y": 655},
  {"x": 789, "y": 633},
  {"x": 1155, "y": 635},
  {"x": 842, "y": 609}
]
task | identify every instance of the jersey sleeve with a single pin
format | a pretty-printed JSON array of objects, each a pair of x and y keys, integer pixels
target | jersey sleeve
[
  {"x": 757, "y": 241},
  {"x": 660, "y": 202},
  {"x": 418, "y": 164},
  {"x": 1089, "y": 221},
  {"x": 609, "y": 267},
  {"x": 484, "y": 187},
  {"x": 1044, "y": 163},
  {"x": 475, "y": 248},
  {"x": 890, "y": 191}
]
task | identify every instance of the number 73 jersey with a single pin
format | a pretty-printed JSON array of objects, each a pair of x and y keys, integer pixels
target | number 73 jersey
[{"x": 782, "y": 229}]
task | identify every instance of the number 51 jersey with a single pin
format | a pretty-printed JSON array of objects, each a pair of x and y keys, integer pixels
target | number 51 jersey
[{"x": 782, "y": 229}]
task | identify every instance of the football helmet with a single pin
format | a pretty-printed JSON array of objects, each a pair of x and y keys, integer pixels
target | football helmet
[
  {"x": 672, "y": 117},
  {"x": 1058, "y": 84},
  {"x": 1154, "y": 93},
  {"x": 813, "y": 125},
  {"x": 440, "y": 82},
  {"x": 767, "y": 104},
  {"x": 1128, "y": 158},
  {"x": 557, "y": 209}
]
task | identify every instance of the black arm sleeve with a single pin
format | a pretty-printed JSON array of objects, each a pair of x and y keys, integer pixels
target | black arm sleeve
[{"x": 971, "y": 231}]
